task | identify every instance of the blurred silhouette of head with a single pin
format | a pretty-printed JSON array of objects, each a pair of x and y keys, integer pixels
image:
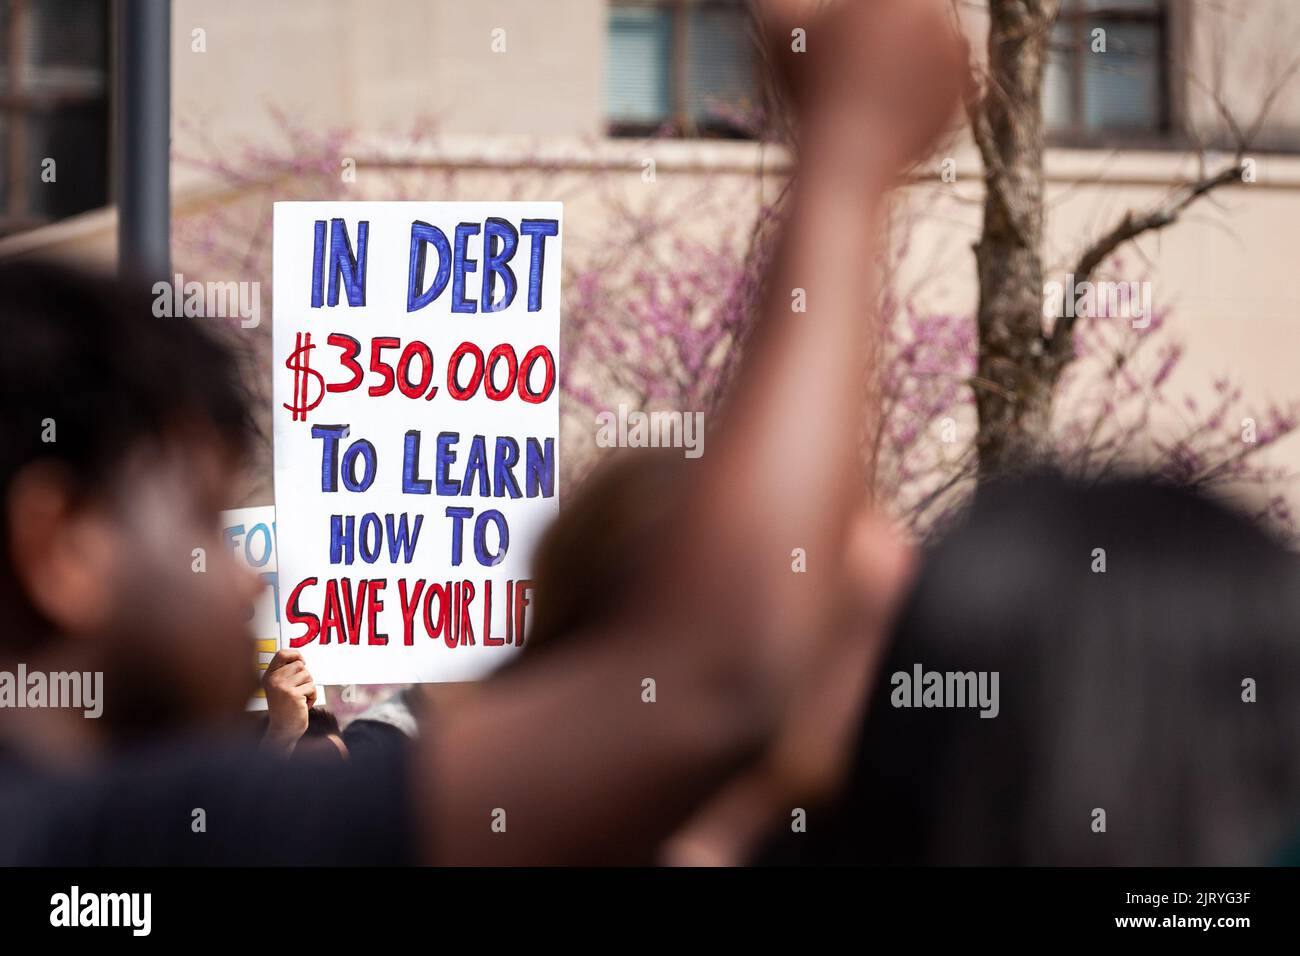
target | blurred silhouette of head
[
  {"x": 322, "y": 738},
  {"x": 591, "y": 557},
  {"x": 121, "y": 437},
  {"x": 1163, "y": 691}
]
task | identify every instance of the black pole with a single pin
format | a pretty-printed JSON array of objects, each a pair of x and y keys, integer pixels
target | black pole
[{"x": 143, "y": 141}]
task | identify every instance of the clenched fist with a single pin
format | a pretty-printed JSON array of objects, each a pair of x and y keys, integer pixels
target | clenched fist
[
  {"x": 290, "y": 694},
  {"x": 874, "y": 80}
]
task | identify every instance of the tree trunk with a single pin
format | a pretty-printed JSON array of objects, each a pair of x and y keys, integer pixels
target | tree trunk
[{"x": 1017, "y": 373}]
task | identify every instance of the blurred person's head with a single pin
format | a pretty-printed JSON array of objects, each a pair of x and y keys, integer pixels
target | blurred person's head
[
  {"x": 122, "y": 434},
  {"x": 588, "y": 561},
  {"x": 590, "y": 558},
  {"x": 591, "y": 565},
  {"x": 322, "y": 737},
  {"x": 1119, "y": 690}
]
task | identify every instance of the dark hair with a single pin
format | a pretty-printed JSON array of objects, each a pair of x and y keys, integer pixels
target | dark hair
[
  {"x": 1120, "y": 690},
  {"x": 590, "y": 558},
  {"x": 83, "y": 354},
  {"x": 321, "y": 722},
  {"x": 86, "y": 351}
]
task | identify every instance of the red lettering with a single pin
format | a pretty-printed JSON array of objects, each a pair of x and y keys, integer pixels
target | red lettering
[
  {"x": 331, "y": 619},
  {"x": 521, "y": 602},
  {"x": 488, "y": 639},
  {"x": 444, "y": 612},
  {"x": 408, "y": 609},
  {"x": 466, "y": 597},
  {"x": 376, "y": 604},
  {"x": 294, "y": 615}
]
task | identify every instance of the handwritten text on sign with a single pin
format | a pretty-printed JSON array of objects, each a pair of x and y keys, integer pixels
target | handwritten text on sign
[
  {"x": 416, "y": 431},
  {"x": 249, "y": 533}
]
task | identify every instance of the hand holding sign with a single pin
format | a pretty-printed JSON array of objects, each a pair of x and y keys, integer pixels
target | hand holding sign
[{"x": 290, "y": 693}]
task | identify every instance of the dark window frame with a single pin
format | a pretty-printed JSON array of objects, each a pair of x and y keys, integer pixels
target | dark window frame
[
  {"x": 16, "y": 104},
  {"x": 680, "y": 124},
  {"x": 1167, "y": 131}
]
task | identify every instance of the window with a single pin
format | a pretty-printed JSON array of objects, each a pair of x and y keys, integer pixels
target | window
[
  {"x": 686, "y": 67},
  {"x": 53, "y": 105},
  {"x": 1122, "y": 90}
]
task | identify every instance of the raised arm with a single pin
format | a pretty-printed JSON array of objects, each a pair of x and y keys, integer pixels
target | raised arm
[{"x": 566, "y": 752}]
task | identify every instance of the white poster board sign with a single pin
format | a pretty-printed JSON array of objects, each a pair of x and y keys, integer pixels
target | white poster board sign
[{"x": 416, "y": 428}]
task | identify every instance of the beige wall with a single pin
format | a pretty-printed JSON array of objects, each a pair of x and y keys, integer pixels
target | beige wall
[
  {"x": 1239, "y": 52},
  {"x": 1226, "y": 55},
  {"x": 371, "y": 65},
  {"x": 372, "y": 68},
  {"x": 1226, "y": 272}
]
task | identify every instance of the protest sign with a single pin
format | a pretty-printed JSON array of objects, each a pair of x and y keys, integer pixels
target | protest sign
[
  {"x": 416, "y": 430},
  {"x": 249, "y": 533}
]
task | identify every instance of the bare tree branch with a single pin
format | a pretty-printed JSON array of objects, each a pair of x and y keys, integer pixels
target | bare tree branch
[
  {"x": 1165, "y": 214},
  {"x": 1136, "y": 224}
]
